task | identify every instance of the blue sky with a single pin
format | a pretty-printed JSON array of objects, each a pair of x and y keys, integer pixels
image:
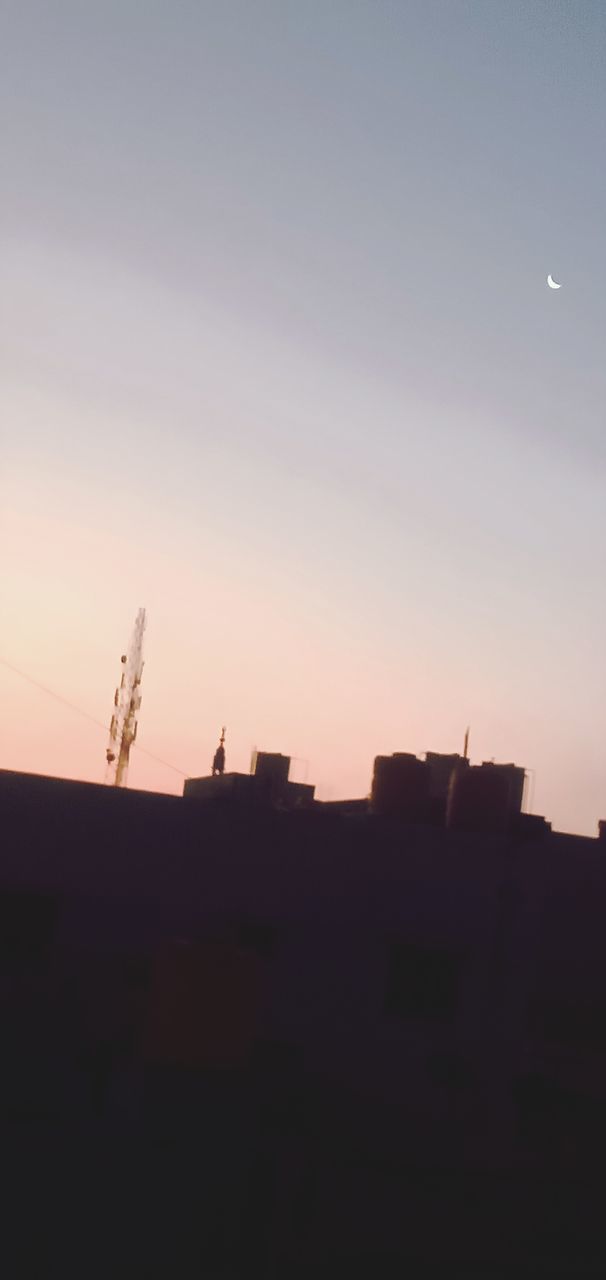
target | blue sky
[{"x": 274, "y": 302}]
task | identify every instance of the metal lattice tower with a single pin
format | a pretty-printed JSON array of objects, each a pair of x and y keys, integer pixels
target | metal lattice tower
[{"x": 127, "y": 700}]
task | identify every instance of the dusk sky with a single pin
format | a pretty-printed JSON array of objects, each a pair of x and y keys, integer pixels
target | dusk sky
[{"x": 280, "y": 363}]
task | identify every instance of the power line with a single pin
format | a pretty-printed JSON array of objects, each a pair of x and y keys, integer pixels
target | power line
[{"x": 86, "y": 715}]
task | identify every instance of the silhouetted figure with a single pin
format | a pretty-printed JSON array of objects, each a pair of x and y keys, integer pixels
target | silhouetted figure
[{"x": 219, "y": 757}]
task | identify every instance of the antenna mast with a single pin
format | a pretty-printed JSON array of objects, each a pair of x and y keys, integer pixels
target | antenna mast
[
  {"x": 127, "y": 700},
  {"x": 219, "y": 756}
]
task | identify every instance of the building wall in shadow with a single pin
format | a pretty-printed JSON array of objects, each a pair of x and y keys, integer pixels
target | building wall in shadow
[{"x": 269, "y": 1038}]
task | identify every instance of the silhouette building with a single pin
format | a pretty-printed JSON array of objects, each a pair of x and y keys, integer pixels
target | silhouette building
[
  {"x": 247, "y": 1033},
  {"x": 267, "y": 784}
]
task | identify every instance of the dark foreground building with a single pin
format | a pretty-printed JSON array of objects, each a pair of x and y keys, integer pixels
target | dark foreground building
[{"x": 242, "y": 1040}]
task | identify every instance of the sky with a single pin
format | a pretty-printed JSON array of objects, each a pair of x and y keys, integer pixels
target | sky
[{"x": 279, "y": 363}]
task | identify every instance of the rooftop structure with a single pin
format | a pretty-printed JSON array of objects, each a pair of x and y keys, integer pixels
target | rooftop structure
[{"x": 267, "y": 784}]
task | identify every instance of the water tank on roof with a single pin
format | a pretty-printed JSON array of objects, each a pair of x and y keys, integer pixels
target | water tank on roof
[
  {"x": 515, "y": 778},
  {"x": 440, "y": 772},
  {"x": 478, "y": 799},
  {"x": 400, "y": 786},
  {"x": 273, "y": 769}
]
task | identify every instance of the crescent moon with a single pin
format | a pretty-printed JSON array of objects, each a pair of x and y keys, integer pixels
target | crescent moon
[{"x": 553, "y": 283}]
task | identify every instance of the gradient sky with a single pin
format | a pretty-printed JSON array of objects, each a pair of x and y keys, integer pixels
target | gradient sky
[{"x": 279, "y": 363}]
